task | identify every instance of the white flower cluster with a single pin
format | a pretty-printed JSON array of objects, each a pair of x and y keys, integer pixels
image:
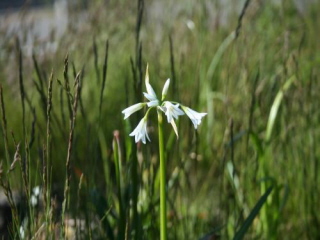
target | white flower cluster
[{"x": 171, "y": 110}]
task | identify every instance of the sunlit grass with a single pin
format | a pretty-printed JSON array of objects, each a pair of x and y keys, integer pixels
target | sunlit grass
[{"x": 260, "y": 90}]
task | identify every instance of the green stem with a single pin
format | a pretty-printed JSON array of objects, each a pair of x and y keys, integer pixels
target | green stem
[
  {"x": 117, "y": 161},
  {"x": 163, "y": 198}
]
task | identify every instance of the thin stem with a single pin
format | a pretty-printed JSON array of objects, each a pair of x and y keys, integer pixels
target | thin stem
[
  {"x": 65, "y": 204},
  {"x": 117, "y": 161},
  {"x": 47, "y": 165},
  {"x": 4, "y": 126},
  {"x": 104, "y": 77},
  {"x": 163, "y": 198}
]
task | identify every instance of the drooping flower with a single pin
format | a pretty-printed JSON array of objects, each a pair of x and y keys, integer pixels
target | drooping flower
[
  {"x": 195, "y": 117},
  {"x": 132, "y": 109},
  {"x": 171, "y": 110},
  {"x": 140, "y": 132}
]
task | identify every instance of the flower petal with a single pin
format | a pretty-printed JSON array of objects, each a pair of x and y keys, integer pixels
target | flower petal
[
  {"x": 140, "y": 132},
  {"x": 165, "y": 89},
  {"x": 175, "y": 127},
  {"x": 195, "y": 117},
  {"x": 171, "y": 111},
  {"x": 153, "y": 103},
  {"x": 150, "y": 95},
  {"x": 132, "y": 109}
]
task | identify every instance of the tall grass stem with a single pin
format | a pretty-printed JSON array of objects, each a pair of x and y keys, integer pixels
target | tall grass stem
[
  {"x": 117, "y": 162},
  {"x": 4, "y": 126},
  {"x": 104, "y": 78},
  {"x": 68, "y": 161},
  {"x": 47, "y": 166}
]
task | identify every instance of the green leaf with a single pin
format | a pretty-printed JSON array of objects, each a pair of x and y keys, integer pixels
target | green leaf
[
  {"x": 275, "y": 107},
  {"x": 247, "y": 223},
  {"x": 222, "y": 48}
]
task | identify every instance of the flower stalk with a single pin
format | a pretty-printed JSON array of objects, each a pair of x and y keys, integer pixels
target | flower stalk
[
  {"x": 172, "y": 110},
  {"x": 163, "y": 197}
]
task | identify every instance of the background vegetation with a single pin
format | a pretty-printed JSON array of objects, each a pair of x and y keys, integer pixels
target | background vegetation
[{"x": 253, "y": 68}]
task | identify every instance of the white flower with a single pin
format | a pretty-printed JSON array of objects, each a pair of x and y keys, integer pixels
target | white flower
[
  {"x": 140, "y": 132},
  {"x": 171, "y": 110},
  {"x": 134, "y": 108},
  {"x": 150, "y": 94},
  {"x": 195, "y": 117},
  {"x": 153, "y": 103},
  {"x": 165, "y": 89}
]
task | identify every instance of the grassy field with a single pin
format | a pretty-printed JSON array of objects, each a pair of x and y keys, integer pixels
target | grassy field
[{"x": 250, "y": 170}]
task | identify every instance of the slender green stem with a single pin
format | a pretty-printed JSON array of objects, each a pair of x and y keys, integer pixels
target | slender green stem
[
  {"x": 163, "y": 198},
  {"x": 117, "y": 161}
]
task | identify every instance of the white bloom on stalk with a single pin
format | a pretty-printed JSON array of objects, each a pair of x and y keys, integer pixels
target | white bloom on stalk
[
  {"x": 140, "y": 132},
  {"x": 171, "y": 109},
  {"x": 195, "y": 117},
  {"x": 153, "y": 103},
  {"x": 132, "y": 109},
  {"x": 150, "y": 94}
]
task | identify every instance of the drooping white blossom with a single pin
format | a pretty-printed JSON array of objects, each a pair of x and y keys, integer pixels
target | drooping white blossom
[
  {"x": 171, "y": 110},
  {"x": 195, "y": 117},
  {"x": 140, "y": 132}
]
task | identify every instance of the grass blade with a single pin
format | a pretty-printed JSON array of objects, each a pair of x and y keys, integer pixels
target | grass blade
[
  {"x": 104, "y": 77},
  {"x": 247, "y": 223},
  {"x": 275, "y": 107},
  {"x": 4, "y": 126}
]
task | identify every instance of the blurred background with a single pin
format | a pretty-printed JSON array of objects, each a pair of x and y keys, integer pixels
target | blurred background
[{"x": 253, "y": 66}]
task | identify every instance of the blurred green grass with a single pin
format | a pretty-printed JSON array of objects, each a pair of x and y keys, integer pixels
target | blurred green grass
[{"x": 215, "y": 175}]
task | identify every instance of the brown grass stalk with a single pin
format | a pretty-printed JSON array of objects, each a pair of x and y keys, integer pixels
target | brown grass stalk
[
  {"x": 4, "y": 126},
  {"x": 70, "y": 143}
]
